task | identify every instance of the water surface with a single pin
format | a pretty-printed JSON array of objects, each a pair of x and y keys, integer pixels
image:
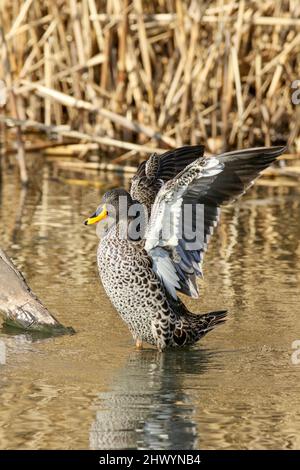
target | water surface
[{"x": 238, "y": 389}]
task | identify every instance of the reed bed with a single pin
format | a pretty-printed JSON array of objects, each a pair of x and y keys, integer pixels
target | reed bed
[{"x": 134, "y": 75}]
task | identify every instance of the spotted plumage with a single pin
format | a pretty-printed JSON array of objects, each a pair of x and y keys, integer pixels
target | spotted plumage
[{"x": 142, "y": 276}]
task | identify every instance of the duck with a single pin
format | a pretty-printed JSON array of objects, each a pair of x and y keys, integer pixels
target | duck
[{"x": 154, "y": 237}]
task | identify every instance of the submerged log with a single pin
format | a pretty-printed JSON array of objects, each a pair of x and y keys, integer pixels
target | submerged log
[{"x": 20, "y": 307}]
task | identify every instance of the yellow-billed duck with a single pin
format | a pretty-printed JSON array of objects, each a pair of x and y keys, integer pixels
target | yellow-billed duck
[{"x": 144, "y": 262}]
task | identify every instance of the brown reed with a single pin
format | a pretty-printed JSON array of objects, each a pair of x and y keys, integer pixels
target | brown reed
[{"x": 137, "y": 74}]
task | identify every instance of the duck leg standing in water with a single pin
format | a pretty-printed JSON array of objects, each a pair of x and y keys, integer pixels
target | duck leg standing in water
[{"x": 142, "y": 275}]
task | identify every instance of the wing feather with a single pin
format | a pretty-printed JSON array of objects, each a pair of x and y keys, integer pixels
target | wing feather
[
  {"x": 159, "y": 169},
  {"x": 208, "y": 183}
]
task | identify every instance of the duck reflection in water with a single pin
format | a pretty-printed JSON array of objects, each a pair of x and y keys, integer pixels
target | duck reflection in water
[{"x": 148, "y": 406}]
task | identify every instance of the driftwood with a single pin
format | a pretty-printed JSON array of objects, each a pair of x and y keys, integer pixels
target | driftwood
[
  {"x": 20, "y": 307},
  {"x": 66, "y": 131}
]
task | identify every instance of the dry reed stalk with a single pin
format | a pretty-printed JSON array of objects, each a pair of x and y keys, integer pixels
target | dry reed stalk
[
  {"x": 144, "y": 48},
  {"x": 65, "y": 131},
  {"x": 75, "y": 165},
  {"x": 122, "y": 34},
  {"x": 48, "y": 81},
  {"x": 134, "y": 73},
  {"x": 20, "y": 156},
  {"x": 69, "y": 101},
  {"x": 20, "y": 18}
]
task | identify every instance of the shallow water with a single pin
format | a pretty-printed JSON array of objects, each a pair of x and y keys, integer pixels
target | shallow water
[{"x": 237, "y": 389}]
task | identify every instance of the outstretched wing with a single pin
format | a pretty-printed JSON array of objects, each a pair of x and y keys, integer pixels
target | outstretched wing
[
  {"x": 158, "y": 169},
  {"x": 186, "y": 210}
]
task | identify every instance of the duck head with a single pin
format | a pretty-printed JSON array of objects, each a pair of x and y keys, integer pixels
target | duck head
[{"x": 114, "y": 204}]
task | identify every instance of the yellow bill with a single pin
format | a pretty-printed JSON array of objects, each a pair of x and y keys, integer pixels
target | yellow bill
[{"x": 100, "y": 214}]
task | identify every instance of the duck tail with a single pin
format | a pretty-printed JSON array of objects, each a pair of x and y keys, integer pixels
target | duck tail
[
  {"x": 202, "y": 324},
  {"x": 191, "y": 326}
]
